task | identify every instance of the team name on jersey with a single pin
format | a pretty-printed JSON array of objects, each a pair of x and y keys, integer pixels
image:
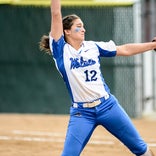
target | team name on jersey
[{"x": 80, "y": 62}]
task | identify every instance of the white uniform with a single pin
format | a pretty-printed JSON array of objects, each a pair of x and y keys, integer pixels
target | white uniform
[
  {"x": 90, "y": 104},
  {"x": 79, "y": 67}
]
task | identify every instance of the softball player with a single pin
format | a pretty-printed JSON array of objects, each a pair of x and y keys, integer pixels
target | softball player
[{"x": 78, "y": 62}]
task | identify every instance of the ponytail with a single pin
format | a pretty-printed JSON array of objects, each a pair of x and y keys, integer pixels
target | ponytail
[{"x": 44, "y": 44}]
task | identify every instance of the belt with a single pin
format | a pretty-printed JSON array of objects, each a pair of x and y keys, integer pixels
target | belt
[{"x": 91, "y": 104}]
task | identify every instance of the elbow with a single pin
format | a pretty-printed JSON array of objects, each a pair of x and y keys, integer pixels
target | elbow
[
  {"x": 127, "y": 53},
  {"x": 56, "y": 13},
  {"x": 122, "y": 51}
]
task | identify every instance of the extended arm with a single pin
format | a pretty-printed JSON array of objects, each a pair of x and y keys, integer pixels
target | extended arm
[
  {"x": 56, "y": 20},
  {"x": 135, "y": 48}
]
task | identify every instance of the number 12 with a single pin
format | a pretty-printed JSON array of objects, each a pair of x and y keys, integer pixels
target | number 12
[{"x": 90, "y": 75}]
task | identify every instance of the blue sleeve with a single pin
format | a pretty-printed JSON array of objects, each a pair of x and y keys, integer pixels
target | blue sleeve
[
  {"x": 57, "y": 47},
  {"x": 106, "y": 49}
]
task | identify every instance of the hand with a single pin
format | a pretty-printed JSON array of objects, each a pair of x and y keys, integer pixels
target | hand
[{"x": 154, "y": 40}]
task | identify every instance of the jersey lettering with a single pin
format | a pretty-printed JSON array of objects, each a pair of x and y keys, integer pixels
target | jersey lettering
[{"x": 77, "y": 63}]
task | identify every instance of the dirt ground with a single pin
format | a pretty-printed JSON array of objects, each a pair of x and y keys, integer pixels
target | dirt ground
[{"x": 43, "y": 135}]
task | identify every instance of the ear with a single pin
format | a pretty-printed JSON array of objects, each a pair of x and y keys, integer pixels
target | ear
[{"x": 67, "y": 32}]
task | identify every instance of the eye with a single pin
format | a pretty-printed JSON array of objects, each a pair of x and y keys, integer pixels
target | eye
[{"x": 79, "y": 26}]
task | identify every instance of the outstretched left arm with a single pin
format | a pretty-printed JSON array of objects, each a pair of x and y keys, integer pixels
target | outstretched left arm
[{"x": 135, "y": 48}]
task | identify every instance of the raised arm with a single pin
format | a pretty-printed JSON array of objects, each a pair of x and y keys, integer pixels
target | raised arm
[
  {"x": 135, "y": 48},
  {"x": 56, "y": 20}
]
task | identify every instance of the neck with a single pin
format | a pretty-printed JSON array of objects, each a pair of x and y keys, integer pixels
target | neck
[{"x": 75, "y": 44}]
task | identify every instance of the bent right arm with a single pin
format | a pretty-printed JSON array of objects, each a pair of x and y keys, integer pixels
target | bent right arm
[{"x": 56, "y": 20}]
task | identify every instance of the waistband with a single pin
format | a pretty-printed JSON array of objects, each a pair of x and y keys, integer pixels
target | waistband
[{"x": 91, "y": 104}]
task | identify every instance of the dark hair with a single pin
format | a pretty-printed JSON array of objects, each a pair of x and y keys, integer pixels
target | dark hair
[
  {"x": 44, "y": 44},
  {"x": 67, "y": 22}
]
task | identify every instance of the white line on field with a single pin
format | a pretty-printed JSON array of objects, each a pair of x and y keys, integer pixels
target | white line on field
[
  {"x": 38, "y": 139},
  {"x": 51, "y": 134},
  {"x": 57, "y": 137},
  {"x": 37, "y": 133},
  {"x": 152, "y": 144}
]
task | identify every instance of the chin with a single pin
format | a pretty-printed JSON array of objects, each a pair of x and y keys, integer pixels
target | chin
[{"x": 83, "y": 39}]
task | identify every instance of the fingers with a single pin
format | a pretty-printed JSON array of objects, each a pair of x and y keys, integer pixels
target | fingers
[{"x": 154, "y": 39}]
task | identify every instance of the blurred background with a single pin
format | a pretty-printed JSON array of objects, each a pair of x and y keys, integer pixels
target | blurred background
[{"x": 29, "y": 81}]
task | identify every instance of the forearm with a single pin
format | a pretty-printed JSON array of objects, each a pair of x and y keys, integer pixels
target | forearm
[
  {"x": 56, "y": 19},
  {"x": 135, "y": 48},
  {"x": 55, "y": 7}
]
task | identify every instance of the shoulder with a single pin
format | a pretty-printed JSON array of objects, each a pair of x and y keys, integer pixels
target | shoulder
[
  {"x": 110, "y": 45},
  {"x": 53, "y": 43},
  {"x": 60, "y": 40},
  {"x": 56, "y": 47},
  {"x": 106, "y": 49},
  {"x": 104, "y": 45}
]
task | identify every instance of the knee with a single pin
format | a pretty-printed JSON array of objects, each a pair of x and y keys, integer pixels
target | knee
[
  {"x": 72, "y": 147},
  {"x": 139, "y": 149}
]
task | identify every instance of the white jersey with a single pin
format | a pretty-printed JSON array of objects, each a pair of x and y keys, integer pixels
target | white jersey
[{"x": 80, "y": 69}]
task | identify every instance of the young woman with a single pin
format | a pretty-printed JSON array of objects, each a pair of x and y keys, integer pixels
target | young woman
[{"x": 78, "y": 62}]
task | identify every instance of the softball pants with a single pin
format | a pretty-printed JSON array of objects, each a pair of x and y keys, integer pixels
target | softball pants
[{"x": 111, "y": 116}]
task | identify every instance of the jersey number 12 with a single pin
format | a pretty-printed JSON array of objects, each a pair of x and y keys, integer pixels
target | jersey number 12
[{"x": 90, "y": 75}]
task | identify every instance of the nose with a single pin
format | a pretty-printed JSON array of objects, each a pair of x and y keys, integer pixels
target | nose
[{"x": 83, "y": 29}]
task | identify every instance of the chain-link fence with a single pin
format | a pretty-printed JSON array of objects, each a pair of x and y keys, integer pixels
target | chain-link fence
[{"x": 29, "y": 81}]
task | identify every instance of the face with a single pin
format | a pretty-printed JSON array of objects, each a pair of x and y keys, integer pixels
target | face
[{"x": 77, "y": 31}]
